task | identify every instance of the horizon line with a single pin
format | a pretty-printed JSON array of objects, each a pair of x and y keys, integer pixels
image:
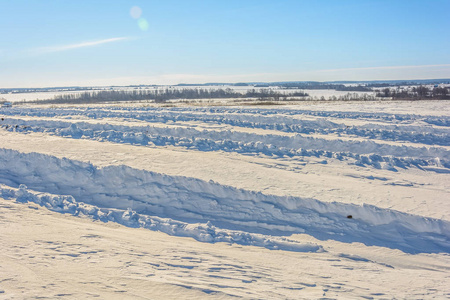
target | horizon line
[{"x": 227, "y": 83}]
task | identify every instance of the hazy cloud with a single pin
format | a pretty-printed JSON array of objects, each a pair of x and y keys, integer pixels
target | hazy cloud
[{"x": 357, "y": 74}]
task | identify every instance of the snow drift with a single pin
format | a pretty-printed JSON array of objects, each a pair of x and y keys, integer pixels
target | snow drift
[
  {"x": 192, "y": 201},
  {"x": 368, "y": 152},
  {"x": 201, "y": 232}
]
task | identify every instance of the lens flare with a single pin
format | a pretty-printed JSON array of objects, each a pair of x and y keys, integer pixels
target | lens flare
[
  {"x": 135, "y": 12},
  {"x": 143, "y": 24}
]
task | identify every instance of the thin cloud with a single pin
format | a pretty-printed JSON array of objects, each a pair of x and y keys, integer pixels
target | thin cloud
[{"x": 60, "y": 48}]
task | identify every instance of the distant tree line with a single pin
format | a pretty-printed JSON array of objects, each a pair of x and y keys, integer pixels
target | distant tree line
[
  {"x": 397, "y": 83},
  {"x": 353, "y": 88},
  {"x": 416, "y": 93},
  {"x": 166, "y": 94},
  {"x": 325, "y": 86},
  {"x": 352, "y": 97}
]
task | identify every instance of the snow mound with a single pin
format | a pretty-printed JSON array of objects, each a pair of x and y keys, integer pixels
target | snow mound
[
  {"x": 203, "y": 232},
  {"x": 363, "y": 153},
  {"x": 188, "y": 202},
  {"x": 279, "y": 120}
]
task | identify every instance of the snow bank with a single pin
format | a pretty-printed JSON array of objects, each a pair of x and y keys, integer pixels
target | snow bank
[
  {"x": 203, "y": 232},
  {"x": 279, "y": 119},
  {"x": 364, "y": 152},
  {"x": 194, "y": 201},
  {"x": 227, "y": 111}
]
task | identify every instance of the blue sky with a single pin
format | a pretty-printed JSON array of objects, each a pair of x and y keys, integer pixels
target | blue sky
[{"x": 60, "y": 43}]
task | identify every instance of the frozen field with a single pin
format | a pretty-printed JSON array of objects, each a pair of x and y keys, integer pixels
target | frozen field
[
  {"x": 322, "y": 200},
  {"x": 36, "y": 96}
]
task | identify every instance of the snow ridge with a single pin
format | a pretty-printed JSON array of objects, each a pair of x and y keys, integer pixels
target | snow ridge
[
  {"x": 387, "y": 156},
  {"x": 203, "y": 232},
  {"x": 192, "y": 201},
  {"x": 286, "y": 122}
]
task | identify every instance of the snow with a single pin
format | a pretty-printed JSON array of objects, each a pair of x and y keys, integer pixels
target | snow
[
  {"x": 174, "y": 202},
  {"x": 36, "y": 96},
  {"x": 52, "y": 255},
  {"x": 193, "y": 200},
  {"x": 202, "y": 232},
  {"x": 17, "y": 97}
]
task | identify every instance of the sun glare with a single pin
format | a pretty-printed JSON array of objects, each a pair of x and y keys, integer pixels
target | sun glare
[
  {"x": 135, "y": 12},
  {"x": 143, "y": 24}
]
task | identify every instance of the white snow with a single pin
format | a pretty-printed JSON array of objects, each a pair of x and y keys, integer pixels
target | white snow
[{"x": 265, "y": 190}]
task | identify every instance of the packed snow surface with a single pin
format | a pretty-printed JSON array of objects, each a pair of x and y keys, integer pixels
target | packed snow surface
[{"x": 365, "y": 185}]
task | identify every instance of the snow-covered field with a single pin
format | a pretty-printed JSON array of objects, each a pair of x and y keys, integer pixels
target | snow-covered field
[
  {"x": 322, "y": 200},
  {"x": 36, "y": 96}
]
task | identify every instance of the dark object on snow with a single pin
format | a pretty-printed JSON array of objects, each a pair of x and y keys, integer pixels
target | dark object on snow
[{"x": 349, "y": 217}]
